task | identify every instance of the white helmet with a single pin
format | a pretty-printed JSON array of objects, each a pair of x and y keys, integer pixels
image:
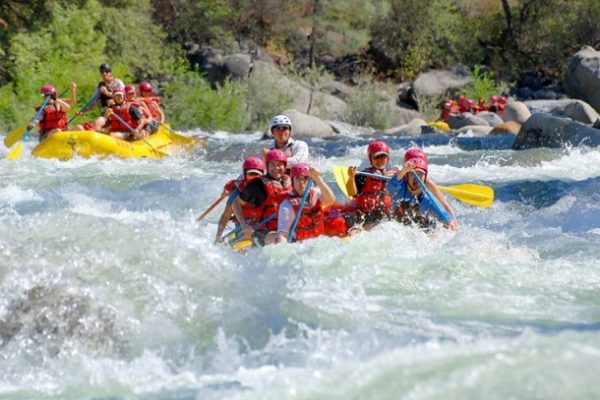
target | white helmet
[{"x": 280, "y": 120}]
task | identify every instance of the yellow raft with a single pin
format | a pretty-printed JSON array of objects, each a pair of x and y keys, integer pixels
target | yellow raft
[{"x": 67, "y": 144}]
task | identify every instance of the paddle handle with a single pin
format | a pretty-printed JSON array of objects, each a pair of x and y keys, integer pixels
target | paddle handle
[
  {"x": 444, "y": 215},
  {"x": 86, "y": 106},
  {"x": 209, "y": 209},
  {"x": 239, "y": 228},
  {"x": 300, "y": 209}
]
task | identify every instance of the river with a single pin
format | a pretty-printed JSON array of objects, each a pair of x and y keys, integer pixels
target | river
[{"x": 109, "y": 288}]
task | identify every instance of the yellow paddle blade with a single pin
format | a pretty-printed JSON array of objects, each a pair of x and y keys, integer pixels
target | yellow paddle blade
[
  {"x": 15, "y": 152},
  {"x": 477, "y": 195},
  {"x": 14, "y": 136},
  {"x": 242, "y": 245},
  {"x": 341, "y": 178}
]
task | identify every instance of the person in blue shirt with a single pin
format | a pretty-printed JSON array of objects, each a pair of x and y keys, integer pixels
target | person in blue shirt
[{"x": 416, "y": 198}]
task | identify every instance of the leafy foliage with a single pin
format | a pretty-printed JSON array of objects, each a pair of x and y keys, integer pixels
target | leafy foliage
[{"x": 369, "y": 106}]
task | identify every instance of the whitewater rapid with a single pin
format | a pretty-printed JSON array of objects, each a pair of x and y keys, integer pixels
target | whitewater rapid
[{"x": 109, "y": 288}]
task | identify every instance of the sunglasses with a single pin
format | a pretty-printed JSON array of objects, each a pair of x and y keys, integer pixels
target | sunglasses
[
  {"x": 252, "y": 174},
  {"x": 281, "y": 128},
  {"x": 380, "y": 156},
  {"x": 302, "y": 178}
]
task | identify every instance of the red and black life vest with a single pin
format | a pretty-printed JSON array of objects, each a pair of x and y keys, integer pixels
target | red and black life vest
[
  {"x": 373, "y": 196},
  {"x": 53, "y": 117},
  {"x": 123, "y": 112},
  {"x": 311, "y": 221}
]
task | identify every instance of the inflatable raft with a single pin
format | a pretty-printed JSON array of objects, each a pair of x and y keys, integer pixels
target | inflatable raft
[{"x": 67, "y": 144}]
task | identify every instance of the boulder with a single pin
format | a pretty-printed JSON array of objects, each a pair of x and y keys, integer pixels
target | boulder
[
  {"x": 582, "y": 78},
  {"x": 436, "y": 83},
  {"x": 268, "y": 72},
  {"x": 575, "y": 109},
  {"x": 308, "y": 126},
  {"x": 401, "y": 115},
  {"x": 339, "y": 89},
  {"x": 491, "y": 118},
  {"x": 457, "y": 121},
  {"x": 327, "y": 106},
  {"x": 516, "y": 111},
  {"x": 545, "y": 130},
  {"x": 237, "y": 65},
  {"x": 416, "y": 127},
  {"x": 508, "y": 127}
]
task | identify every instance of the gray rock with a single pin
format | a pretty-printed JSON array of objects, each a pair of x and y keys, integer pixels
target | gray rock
[
  {"x": 545, "y": 130},
  {"x": 457, "y": 121},
  {"x": 339, "y": 89},
  {"x": 516, "y": 111},
  {"x": 308, "y": 126},
  {"x": 491, "y": 118},
  {"x": 327, "y": 106},
  {"x": 237, "y": 65},
  {"x": 416, "y": 127},
  {"x": 436, "y": 83},
  {"x": 582, "y": 78},
  {"x": 575, "y": 109},
  {"x": 401, "y": 115}
]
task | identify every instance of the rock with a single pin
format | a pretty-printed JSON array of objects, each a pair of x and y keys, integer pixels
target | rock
[
  {"x": 308, "y": 126},
  {"x": 575, "y": 109},
  {"x": 437, "y": 83},
  {"x": 516, "y": 111},
  {"x": 491, "y": 118},
  {"x": 237, "y": 65},
  {"x": 474, "y": 130},
  {"x": 457, "y": 121},
  {"x": 339, "y": 89},
  {"x": 416, "y": 127},
  {"x": 327, "y": 106},
  {"x": 401, "y": 115},
  {"x": 508, "y": 127},
  {"x": 545, "y": 130},
  {"x": 582, "y": 78},
  {"x": 301, "y": 99}
]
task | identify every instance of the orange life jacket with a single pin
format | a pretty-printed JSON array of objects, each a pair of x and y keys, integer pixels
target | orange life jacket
[
  {"x": 373, "y": 195},
  {"x": 334, "y": 221},
  {"x": 310, "y": 223},
  {"x": 53, "y": 117}
]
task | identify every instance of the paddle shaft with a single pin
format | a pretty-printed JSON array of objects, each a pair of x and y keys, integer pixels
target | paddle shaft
[
  {"x": 209, "y": 209},
  {"x": 121, "y": 120},
  {"x": 239, "y": 228},
  {"x": 87, "y": 105},
  {"x": 300, "y": 209}
]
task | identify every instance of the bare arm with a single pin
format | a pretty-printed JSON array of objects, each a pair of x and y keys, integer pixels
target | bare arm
[
  {"x": 351, "y": 184},
  {"x": 327, "y": 196},
  {"x": 63, "y": 104},
  {"x": 432, "y": 186}
]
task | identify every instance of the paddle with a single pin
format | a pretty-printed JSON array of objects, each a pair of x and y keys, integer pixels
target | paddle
[
  {"x": 476, "y": 195},
  {"x": 17, "y": 134},
  {"x": 209, "y": 209},
  {"x": 239, "y": 228},
  {"x": 300, "y": 209},
  {"x": 444, "y": 215},
  {"x": 15, "y": 152},
  {"x": 121, "y": 120},
  {"x": 87, "y": 105}
]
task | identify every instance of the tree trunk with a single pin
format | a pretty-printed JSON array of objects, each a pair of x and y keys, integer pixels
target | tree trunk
[
  {"x": 313, "y": 35},
  {"x": 510, "y": 30}
]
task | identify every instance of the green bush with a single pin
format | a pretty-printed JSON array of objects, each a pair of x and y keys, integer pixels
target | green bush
[
  {"x": 267, "y": 95},
  {"x": 190, "y": 102},
  {"x": 369, "y": 106}
]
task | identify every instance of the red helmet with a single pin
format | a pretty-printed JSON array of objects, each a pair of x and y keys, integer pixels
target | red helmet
[
  {"x": 469, "y": 102},
  {"x": 118, "y": 90},
  {"x": 503, "y": 100},
  {"x": 145, "y": 87},
  {"x": 447, "y": 105},
  {"x": 419, "y": 163},
  {"x": 254, "y": 163},
  {"x": 129, "y": 89},
  {"x": 378, "y": 147},
  {"x": 414, "y": 152},
  {"x": 276, "y": 155},
  {"x": 48, "y": 90},
  {"x": 460, "y": 98},
  {"x": 494, "y": 99},
  {"x": 300, "y": 169}
]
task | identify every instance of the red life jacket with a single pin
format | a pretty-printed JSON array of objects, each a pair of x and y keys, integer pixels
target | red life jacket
[
  {"x": 123, "y": 112},
  {"x": 310, "y": 224},
  {"x": 152, "y": 103},
  {"x": 373, "y": 195},
  {"x": 53, "y": 117},
  {"x": 334, "y": 221},
  {"x": 276, "y": 192}
]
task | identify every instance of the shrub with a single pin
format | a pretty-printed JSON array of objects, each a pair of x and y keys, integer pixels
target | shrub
[
  {"x": 370, "y": 105},
  {"x": 190, "y": 102},
  {"x": 268, "y": 94}
]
